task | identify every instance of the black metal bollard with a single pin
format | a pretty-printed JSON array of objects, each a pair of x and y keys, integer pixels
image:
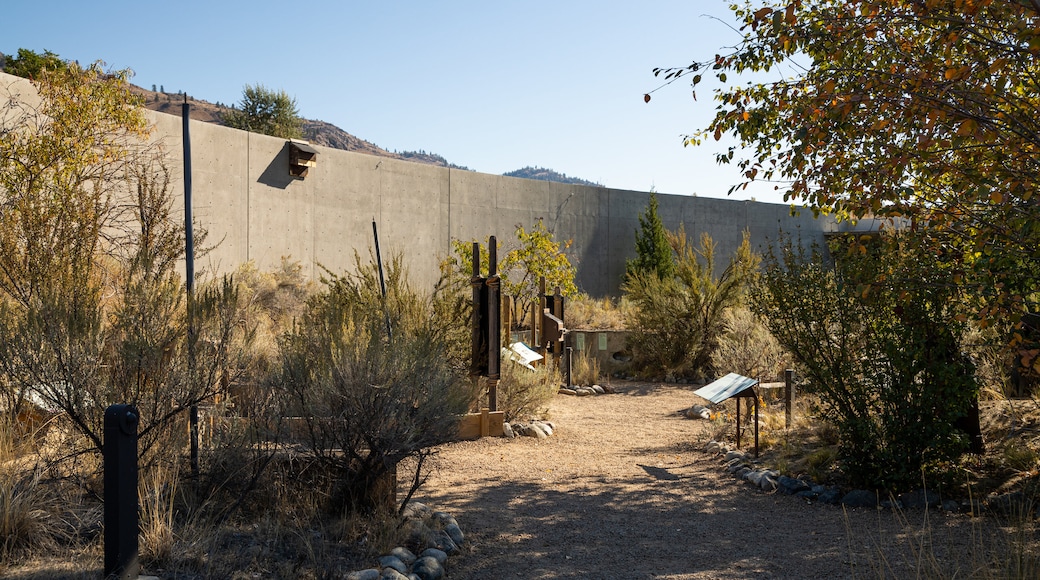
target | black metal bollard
[{"x": 120, "y": 456}]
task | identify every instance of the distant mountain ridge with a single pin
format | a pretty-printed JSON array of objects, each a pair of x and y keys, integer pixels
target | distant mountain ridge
[
  {"x": 549, "y": 175},
  {"x": 329, "y": 135}
]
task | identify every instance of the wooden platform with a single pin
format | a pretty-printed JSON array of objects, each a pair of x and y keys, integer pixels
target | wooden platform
[{"x": 483, "y": 424}]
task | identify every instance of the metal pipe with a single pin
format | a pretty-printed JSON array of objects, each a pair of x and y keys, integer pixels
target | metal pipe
[
  {"x": 382, "y": 281},
  {"x": 189, "y": 282}
]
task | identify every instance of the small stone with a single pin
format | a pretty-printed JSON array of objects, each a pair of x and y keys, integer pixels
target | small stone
[
  {"x": 392, "y": 574},
  {"x": 712, "y": 447},
  {"x": 533, "y": 431},
  {"x": 889, "y": 504},
  {"x": 436, "y": 554},
  {"x": 920, "y": 499},
  {"x": 598, "y": 390},
  {"x": 416, "y": 509},
  {"x": 754, "y": 477},
  {"x": 740, "y": 473},
  {"x": 698, "y": 412},
  {"x": 393, "y": 562},
  {"x": 455, "y": 532},
  {"x": 444, "y": 518},
  {"x": 808, "y": 494},
  {"x": 582, "y": 392},
  {"x": 403, "y": 554},
  {"x": 507, "y": 431},
  {"x": 608, "y": 389},
  {"x": 428, "y": 568},
  {"x": 544, "y": 427},
  {"x": 790, "y": 485},
  {"x": 860, "y": 498},
  {"x": 566, "y": 391},
  {"x": 831, "y": 496},
  {"x": 950, "y": 505},
  {"x": 730, "y": 456},
  {"x": 370, "y": 574},
  {"x": 419, "y": 534},
  {"x": 767, "y": 483},
  {"x": 443, "y": 542}
]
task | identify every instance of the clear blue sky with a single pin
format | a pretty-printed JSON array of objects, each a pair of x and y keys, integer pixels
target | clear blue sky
[{"x": 493, "y": 86}]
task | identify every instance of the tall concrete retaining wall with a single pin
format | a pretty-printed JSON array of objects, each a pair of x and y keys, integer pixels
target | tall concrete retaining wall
[{"x": 243, "y": 195}]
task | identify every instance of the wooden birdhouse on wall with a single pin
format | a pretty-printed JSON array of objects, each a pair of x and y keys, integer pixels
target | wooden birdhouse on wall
[{"x": 301, "y": 158}]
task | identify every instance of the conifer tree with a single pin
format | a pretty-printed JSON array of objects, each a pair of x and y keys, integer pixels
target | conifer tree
[{"x": 654, "y": 254}]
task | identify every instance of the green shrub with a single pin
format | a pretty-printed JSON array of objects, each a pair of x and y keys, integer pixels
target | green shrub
[
  {"x": 877, "y": 338},
  {"x": 678, "y": 321},
  {"x": 370, "y": 379}
]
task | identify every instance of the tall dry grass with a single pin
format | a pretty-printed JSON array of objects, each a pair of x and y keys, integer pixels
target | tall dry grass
[
  {"x": 587, "y": 313},
  {"x": 585, "y": 369}
]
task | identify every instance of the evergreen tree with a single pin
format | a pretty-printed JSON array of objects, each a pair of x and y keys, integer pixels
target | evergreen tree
[{"x": 654, "y": 253}]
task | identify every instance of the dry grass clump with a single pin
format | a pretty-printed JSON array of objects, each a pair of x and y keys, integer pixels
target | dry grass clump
[
  {"x": 585, "y": 369},
  {"x": 523, "y": 393},
  {"x": 587, "y": 313}
]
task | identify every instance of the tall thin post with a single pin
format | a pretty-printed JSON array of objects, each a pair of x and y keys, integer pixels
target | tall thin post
[
  {"x": 494, "y": 330},
  {"x": 189, "y": 282},
  {"x": 738, "y": 422},
  {"x": 755, "y": 394},
  {"x": 477, "y": 342},
  {"x": 382, "y": 281},
  {"x": 788, "y": 396}
]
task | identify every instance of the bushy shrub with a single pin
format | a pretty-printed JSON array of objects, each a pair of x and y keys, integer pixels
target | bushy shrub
[
  {"x": 678, "y": 321},
  {"x": 748, "y": 348},
  {"x": 524, "y": 393},
  {"x": 369, "y": 378},
  {"x": 877, "y": 337}
]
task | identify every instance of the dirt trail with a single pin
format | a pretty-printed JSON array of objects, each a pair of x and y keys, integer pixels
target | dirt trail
[{"x": 623, "y": 490}]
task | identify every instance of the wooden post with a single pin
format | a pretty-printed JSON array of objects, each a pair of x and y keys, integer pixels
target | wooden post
[
  {"x": 788, "y": 396},
  {"x": 539, "y": 340},
  {"x": 755, "y": 394},
  {"x": 507, "y": 317},
  {"x": 485, "y": 424}
]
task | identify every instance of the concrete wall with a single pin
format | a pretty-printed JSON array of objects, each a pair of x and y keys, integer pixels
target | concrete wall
[{"x": 253, "y": 210}]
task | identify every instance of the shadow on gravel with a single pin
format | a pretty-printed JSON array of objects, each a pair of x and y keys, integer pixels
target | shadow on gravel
[{"x": 639, "y": 528}]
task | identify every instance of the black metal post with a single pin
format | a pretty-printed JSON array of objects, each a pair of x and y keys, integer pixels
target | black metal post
[
  {"x": 737, "y": 401},
  {"x": 120, "y": 461},
  {"x": 189, "y": 282},
  {"x": 477, "y": 342},
  {"x": 494, "y": 332},
  {"x": 788, "y": 396},
  {"x": 382, "y": 281}
]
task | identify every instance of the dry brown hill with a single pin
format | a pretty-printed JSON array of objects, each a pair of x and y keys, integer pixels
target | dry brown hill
[{"x": 317, "y": 132}]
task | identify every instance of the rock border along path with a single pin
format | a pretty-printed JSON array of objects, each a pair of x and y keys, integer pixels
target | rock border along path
[{"x": 623, "y": 489}]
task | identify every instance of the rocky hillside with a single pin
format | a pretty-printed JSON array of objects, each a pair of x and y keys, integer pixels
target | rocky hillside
[{"x": 329, "y": 135}]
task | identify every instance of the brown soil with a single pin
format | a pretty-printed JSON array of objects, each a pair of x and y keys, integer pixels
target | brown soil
[{"x": 624, "y": 490}]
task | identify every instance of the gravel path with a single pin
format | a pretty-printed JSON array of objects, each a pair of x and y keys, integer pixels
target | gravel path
[{"x": 623, "y": 490}]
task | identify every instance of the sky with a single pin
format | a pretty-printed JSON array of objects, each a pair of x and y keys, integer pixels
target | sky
[{"x": 492, "y": 86}]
